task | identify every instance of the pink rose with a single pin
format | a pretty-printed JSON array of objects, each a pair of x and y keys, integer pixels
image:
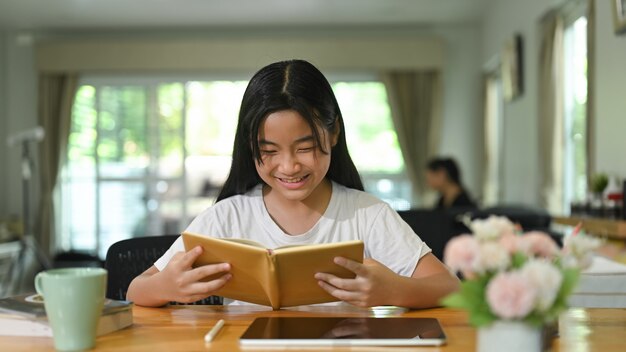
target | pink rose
[
  {"x": 461, "y": 253},
  {"x": 510, "y": 242},
  {"x": 511, "y": 295},
  {"x": 539, "y": 244}
]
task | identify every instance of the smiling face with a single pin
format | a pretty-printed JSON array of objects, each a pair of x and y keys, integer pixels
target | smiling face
[{"x": 292, "y": 164}]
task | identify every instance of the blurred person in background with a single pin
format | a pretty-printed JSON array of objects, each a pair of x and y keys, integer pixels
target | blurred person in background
[{"x": 444, "y": 176}]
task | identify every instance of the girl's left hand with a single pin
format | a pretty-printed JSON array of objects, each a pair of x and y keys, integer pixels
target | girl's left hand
[{"x": 372, "y": 285}]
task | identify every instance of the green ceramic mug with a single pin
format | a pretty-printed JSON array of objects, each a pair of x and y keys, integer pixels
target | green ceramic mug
[{"x": 73, "y": 298}]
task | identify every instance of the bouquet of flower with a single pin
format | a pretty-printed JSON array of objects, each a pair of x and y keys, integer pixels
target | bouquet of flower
[{"x": 511, "y": 275}]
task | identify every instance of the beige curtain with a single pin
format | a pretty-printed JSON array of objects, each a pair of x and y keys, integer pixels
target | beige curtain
[
  {"x": 415, "y": 101},
  {"x": 56, "y": 96},
  {"x": 551, "y": 112}
]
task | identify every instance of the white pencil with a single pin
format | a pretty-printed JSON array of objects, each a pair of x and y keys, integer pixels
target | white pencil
[{"x": 214, "y": 331}]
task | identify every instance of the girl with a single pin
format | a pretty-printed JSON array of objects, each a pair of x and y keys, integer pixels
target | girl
[
  {"x": 292, "y": 182},
  {"x": 444, "y": 176}
]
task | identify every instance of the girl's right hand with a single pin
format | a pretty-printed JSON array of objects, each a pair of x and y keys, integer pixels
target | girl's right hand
[{"x": 180, "y": 282}]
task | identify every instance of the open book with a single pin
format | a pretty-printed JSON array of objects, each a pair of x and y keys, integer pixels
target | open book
[{"x": 283, "y": 277}]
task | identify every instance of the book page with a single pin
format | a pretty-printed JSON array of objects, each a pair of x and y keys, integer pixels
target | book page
[
  {"x": 244, "y": 241},
  {"x": 297, "y": 265}
]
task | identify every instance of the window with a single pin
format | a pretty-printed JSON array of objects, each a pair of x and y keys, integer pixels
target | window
[
  {"x": 574, "y": 112},
  {"x": 146, "y": 156},
  {"x": 372, "y": 141},
  {"x": 493, "y": 119}
]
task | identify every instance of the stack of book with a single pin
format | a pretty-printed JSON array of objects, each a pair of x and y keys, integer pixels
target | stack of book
[{"x": 25, "y": 315}]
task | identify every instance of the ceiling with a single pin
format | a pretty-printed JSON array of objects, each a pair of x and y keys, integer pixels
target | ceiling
[{"x": 138, "y": 14}]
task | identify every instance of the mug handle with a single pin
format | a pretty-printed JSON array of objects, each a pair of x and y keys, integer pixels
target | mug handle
[{"x": 38, "y": 286}]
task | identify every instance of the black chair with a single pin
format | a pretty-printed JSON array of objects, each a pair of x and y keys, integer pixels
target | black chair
[
  {"x": 435, "y": 227},
  {"x": 128, "y": 258},
  {"x": 72, "y": 259}
]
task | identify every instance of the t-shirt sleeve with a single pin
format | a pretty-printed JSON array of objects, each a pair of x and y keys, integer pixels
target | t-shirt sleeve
[
  {"x": 177, "y": 246},
  {"x": 392, "y": 242}
]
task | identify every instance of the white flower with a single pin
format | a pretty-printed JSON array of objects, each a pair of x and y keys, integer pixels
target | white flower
[
  {"x": 579, "y": 243},
  {"x": 491, "y": 228},
  {"x": 568, "y": 261},
  {"x": 578, "y": 248},
  {"x": 546, "y": 278},
  {"x": 492, "y": 257},
  {"x": 580, "y": 262}
]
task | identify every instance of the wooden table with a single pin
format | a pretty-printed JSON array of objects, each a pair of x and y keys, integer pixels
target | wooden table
[{"x": 182, "y": 328}]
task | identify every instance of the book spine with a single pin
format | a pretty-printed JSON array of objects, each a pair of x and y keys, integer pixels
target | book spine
[{"x": 273, "y": 292}]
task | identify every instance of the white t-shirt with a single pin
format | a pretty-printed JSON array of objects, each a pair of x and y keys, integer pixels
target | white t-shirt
[{"x": 350, "y": 215}]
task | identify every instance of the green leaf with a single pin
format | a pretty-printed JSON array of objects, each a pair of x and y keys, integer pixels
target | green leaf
[
  {"x": 570, "y": 280},
  {"x": 518, "y": 260},
  {"x": 471, "y": 297},
  {"x": 454, "y": 300},
  {"x": 535, "y": 318},
  {"x": 469, "y": 294},
  {"x": 481, "y": 318}
]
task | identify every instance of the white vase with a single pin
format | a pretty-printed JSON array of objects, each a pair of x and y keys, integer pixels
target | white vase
[{"x": 510, "y": 336}]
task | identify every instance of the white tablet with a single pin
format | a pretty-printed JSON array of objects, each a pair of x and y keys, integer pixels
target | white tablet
[{"x": 327, "y": 331}]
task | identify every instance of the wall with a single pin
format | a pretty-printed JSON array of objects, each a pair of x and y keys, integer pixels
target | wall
[
  {"x": 356, "y": 52},
  {"x": 502, "y": 20},
  {"x": 610, "y": 105},
  {"x": 20, "y": 111},
  {"x": 461, "y": 76},
  {"x": 462, "y": 133},
  {"x": 506, "y": 17}
]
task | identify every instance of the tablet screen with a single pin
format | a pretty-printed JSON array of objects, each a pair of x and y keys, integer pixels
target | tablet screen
[{"x": 343, "y": 331}]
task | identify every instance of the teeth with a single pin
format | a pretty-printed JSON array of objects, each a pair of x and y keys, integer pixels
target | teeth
[{"x": 292, "y": 180}]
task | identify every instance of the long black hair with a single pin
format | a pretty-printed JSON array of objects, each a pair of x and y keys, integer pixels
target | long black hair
[
  {"x": 287, "y": 85},
  {"x": 449, "y": 166}
]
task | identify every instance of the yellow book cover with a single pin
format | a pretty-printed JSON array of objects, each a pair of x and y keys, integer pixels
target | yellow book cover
[{"x": 282, "y": 277}]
